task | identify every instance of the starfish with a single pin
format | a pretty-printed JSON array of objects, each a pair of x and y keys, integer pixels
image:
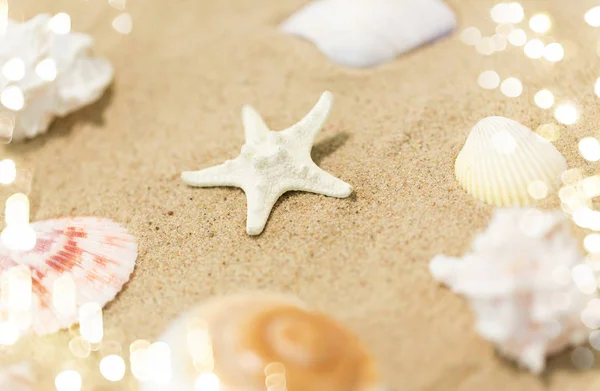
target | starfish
[{"x": 272, "y": 163}]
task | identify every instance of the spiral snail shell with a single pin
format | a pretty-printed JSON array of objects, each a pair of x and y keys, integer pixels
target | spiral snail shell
[{"x": 262, "y": 341}]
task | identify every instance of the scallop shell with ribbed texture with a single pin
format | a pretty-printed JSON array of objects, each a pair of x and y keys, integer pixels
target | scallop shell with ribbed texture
[
  {"x": 249, "y": 331},
  {"x": 97, "y": 255},
  {"x": 365, "y": 33},
  {"x": 502, "y": 159}
]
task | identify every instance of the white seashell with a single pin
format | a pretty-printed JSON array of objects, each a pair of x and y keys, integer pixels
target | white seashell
[
  {"x": 17, "y": 377},
  {"x": 502, "y": 160},
  {"x": 59, "y": 76},
  {"x": 524, "y": 281},
  {"x": 243, "y": 338},
  {"x": 75, "y": 261},
  {"x": 365, "y": 33}
]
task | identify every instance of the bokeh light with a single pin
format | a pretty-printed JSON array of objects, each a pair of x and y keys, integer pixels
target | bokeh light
[
  {"x": 540, "y": 23},
  {"x": 118, "y": 4},
  {"x": 550, "y": 132},
  {"x": 207, "y": 382},
  {"x": 538, "y": 190},
  {"x": 46, "y": 69},
  {"x": 584, "y": 278},
  {"x": 123, "y": 23},
  {"x": 90, "y": 322},
  {"x": 544, "y": 99},
  {"x": 471, "y": 36},
  {"x": 61, "y": 23},
  {"x": 592, "y": 243},
  {"x": 499, "y": 42},
  {"x": 517, "y": 37},
  {"x": 534, "y": 49},
  {"x": 14, "y": 69},
  {"x": 485, "y": 46},
  {"x": 592, "y": 17},
  {"x": 12, "y": 98},
  {"x": 589, "y": 148},
  {"x": 8, "y": 171},
  {"x": 554, "y": 52},
  {"x": 69, "y": 380},
  {"x": 566, "y": 114},
  {"x": 505, "y": 29},
  {"x": 511, "y": 12},
  {"x": 489, "y": 80},
  {"x": 112, "y": 367},
  {"x": 511, "y": 87},
  {"x": 7, "y": 126},
  {"x": 9, "y": 334},
  {"x": 597, "y": 87}
]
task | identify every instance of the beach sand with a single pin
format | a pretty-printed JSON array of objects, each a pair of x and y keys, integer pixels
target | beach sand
[{"x": 182, "y": 77}]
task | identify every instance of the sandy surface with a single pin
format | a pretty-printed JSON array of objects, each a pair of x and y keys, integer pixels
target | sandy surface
[{"x": 182, "y": 77}]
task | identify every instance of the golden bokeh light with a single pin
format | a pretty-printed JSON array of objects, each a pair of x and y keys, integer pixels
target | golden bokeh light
[
  {"x": 489, "y": 80},
  {"x": 12, "y": 98},
  {"x": 592, "y": 17},
  {"x": 159, "y": 365},
  {"x": 14, "y": 69},
  {"x": 505, "y": 29},
  {"x": 589, "y": 148},
  {"x": 538, "y": 190},
  {"x": 113, "y": 368},
  {"x": 207, "y": 381},
  {"x": 550, "y": 132},
  {"x": 534, "y": 49},
  {"x": 597, "y": 87},
  {"x": 46, "y": 69},
  {"x": 517, "y": 37},
  {"x": 544, "y": 99},
  {"x": 7, "y": 127},
  {"x": 540, "y": 23},
  {"x": 61, "y": 23},
  {"x": 499, "y": 42},
  {"x": 79, "y": 347},
  {"x": 510, "y": 12},
  {"x": 123, "y": 23},
  {"x": 566, "y": 114},
  {"x": 512, "y": 87},
  {"x": 90, "y": 323},
  {"x": 592, "y": 243},
  {"x": 69, "y": 380},
  {"x": 118, "y": 4},
  {"x": 8, "y": 171},
  {"x": 554, "y": 52},
  {"x": 471, "y": 36},
  {"x": 485, "y": 46}
]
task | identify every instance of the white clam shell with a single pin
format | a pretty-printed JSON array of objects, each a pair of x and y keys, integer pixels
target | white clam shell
[
  {"x": 502, "y": 159},
  {"x": 80, "y": 79},
  {"x": 365, "y": 33},
  {"x": 17, "y": 377}
]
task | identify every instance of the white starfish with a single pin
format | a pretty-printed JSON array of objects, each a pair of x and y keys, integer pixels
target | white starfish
[{"x": 272, "y": 163}]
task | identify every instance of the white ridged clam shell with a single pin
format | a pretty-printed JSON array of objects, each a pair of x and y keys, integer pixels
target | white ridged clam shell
[
  {"x": 502, "y": 160},
  {"x": 365, "y": 33}
]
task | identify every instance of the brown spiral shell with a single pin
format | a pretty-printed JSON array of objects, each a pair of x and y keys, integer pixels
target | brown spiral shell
[{"x": 250, "y": 331}]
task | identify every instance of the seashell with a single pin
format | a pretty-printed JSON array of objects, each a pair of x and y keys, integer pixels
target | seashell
[
  {"x": 17, "y": 377},
  {"x": 260, "y": 341},
  {"x": 504, "y": 163},
  {"x": 365, "y": 33},
  {"x": 53, "y": 75},
  {"x": 525, "y": 283},
  {"x": 75, "y": 261}
]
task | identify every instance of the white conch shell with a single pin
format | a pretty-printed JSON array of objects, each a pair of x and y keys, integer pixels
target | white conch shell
[
  {"x": 17, "y": 377},
  {"x": 80, "y": 78},
  {"x": 502, "y": 159},
  {"x": 247, "y": 332},
  {"x": 365, "y": 33},
  {"x": 518, "y": 281},
  {"x": 88, "y": 256}
]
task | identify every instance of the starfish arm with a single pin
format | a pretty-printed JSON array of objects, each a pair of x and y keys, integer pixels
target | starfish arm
[
  {"x": 309, "y": 126},
  {"x": 255, "y": 129},
  {"x": 321, "y": 182},
  {"x": 230, "y": 173},
  {"x": 260, "y": 201}
]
